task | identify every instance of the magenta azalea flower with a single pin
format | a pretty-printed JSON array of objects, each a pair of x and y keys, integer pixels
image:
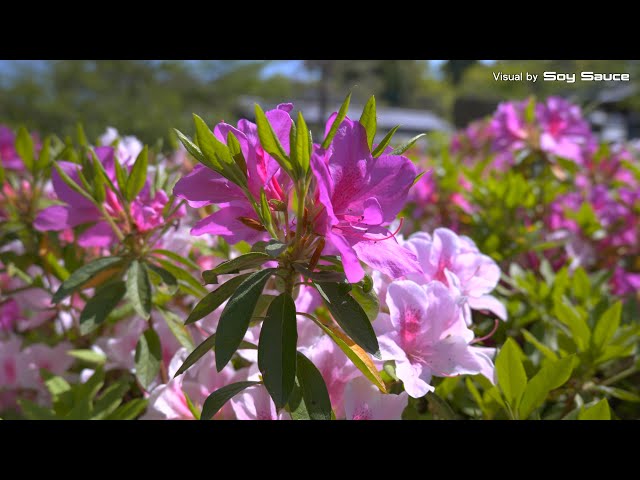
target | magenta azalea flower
[
  {"x": 363, "y": 401},
  {"x": 456, "y": 262},
  {"x": 358, "y": 195},
  {"x": 235, "y": 214},
  {"x": 426, "y": 336},
  {"x": 559, "y": 129},
  {"x": 9, "y": 158},
  {"x": 77, "y": 210}
]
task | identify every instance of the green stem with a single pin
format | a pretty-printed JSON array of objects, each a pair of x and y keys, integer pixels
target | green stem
[{"x": 620, "y": 376}]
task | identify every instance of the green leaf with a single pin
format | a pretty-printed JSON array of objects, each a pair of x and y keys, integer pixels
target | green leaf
[
  {"x": 270, "y": 142},
  {"x": 406, "y": 146},
  {"x": 88, "y": 356},
  {"x": 342, "y": 113},
  {"x": 546, "y": 351},
  {"x": 301, "y": 154},
  {"x": 277, "y": 349},
  {"x": 326, "y": 276},
  {"x": 138, "y": 175},
  {"x": 178, "y": 258},
  {"x": 82, "y": 137},
  {"x": 193, "y": 149},
  {"x": 72, "y": 184},
  {"x": 110, "y": 399},
  {"x": 139, "y": 289},
  {"x": 24, "y": 147},
  {"x": 296, "y": 406},
  {"x": 168, "y": 282},
  {"x": 348, "y": 313},
  {"x": 214, "y": 299},
  {"x": 356, "y": 354},
  {"x": 369, "y": 121},
  {"x": 88, "y": 276},
  {"x": 314, "y": 390},
  {"x": 218, "y": 154},
  {"x": 265, "y": 211},
  {"x": 607, "y": 326},
  {"x": 33, "y": 411},
  {"x": 148, "y": 357},
  {"x": 98, "y": 308},
  {"x": 368, "y": 301},
  {"x": 551, "y": 376},
  {"x": 418, "y": 177},
  {"x": 182, "y": 274},
  {"x": 243, "y": 262},
  {"x": 384, "y": 143},
  {"x": 577, "y": 324},
  {"x": 618, "y": 393},
  {"x": 236, "y": 152},
  {"x": 217, "y": 399},
  {"x": 581, "y": 284},
  {"x": 202, "y": 349},
  {"x": 45, "y": 155},
  {"x": 275, "y": 248},
  {"x": 130, "y": 410},
  {"x": 121, "y": 178},
  {"x": 235, "y": 318},
  {"x": 512, "y": 379},
  {"x": 599, "y": 411},
  {"x": 177, "y": 329}
]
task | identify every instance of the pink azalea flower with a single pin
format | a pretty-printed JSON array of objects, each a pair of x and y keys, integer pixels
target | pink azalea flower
[
  {"x": 358, "y": 195},
  {"x": 426, "y": 336},
  {"x": 254, "y": 403},
  {"x": 168, "y": 401},
  {"x": 206, "y": 187},
  {"x": 336, "y": 369},
  {"x": 128, "y": 148},
  {"x": 456, "y": 262},
  {"x": 363, "y": 401}
]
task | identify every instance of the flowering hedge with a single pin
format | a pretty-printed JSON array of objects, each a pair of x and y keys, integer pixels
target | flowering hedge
[{"x": 258, "y": 274}]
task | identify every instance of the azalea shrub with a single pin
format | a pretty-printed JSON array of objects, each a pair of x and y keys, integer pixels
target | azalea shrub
[{"x": 257, "y": 273}]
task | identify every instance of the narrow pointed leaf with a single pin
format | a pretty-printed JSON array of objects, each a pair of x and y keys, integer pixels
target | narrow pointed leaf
[
  {"x": 369, "y": 121},
  {"x": 384, "y": 143},
  {"x": 24, "y": 147},
  {"x": 302, "y": 146},
  {"x": 237, "y": 313},
  {"x": 139, "y": 289},
  {"x": 214, "y": 299},
  {"x": 351, "y": 317},
  {"x": 406, "y": 146},
  {"x": 512, "y": 379},
  {"x": 89, "y": 275},
  {"x": 314, "y": 390},
  {"x": 148, "y": 357},
  {"x": 98, "y": 307},
  {"x": 277, "y": 349},
  {"x": 607, "y": 325},
  {"x": 138, "y": 175},
  {"x": 217, "y": 399},
  {"x": 270, "y": 142},
  {"x": 342, "y": 113},
  {"x": 243, "y": 262},
  {"x": 356, "y": 354}
]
